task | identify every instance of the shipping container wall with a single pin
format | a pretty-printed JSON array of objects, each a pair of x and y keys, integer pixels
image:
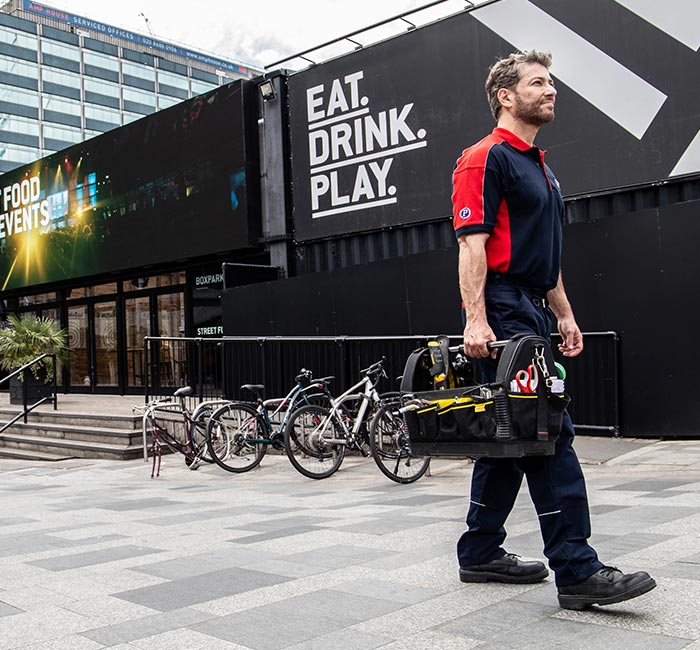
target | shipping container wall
[{"x": 375, "y": 133}]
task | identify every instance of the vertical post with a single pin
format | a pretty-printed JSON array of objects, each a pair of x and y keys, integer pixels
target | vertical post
[
  {"x": 24, "y": 393},
  {"x": 146, "y": 368},
  {"x": 55, "y": 383},
  {"x": 616, "y": 387},
  {"x": 200, "y": 374}
]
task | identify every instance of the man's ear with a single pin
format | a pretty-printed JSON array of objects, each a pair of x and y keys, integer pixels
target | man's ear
[{"x": 505, "y": 97}]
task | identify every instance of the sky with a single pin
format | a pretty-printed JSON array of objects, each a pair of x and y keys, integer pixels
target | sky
[{"x": 257, "y": 33}]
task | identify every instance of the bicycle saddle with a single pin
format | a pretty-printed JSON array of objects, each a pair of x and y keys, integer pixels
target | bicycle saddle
[
  {"x": 256, "y": 389},
  {"x": 185, "y": 391}
]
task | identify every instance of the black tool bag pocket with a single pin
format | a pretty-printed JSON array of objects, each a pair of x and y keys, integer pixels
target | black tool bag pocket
[
  {"x": 555, "y": 415},
  {"x": 422, "y": 423},
  {"x": 523, "y": 414},
  {"x": 468, "y": 418}
]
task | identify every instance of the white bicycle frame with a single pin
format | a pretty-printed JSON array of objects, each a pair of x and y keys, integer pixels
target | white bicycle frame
[{"x": 368, "y": 394}]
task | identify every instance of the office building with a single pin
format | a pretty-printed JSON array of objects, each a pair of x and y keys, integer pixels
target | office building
[{"x": 67, "y": 78}]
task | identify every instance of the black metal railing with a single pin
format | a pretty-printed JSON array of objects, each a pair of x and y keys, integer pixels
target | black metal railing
[
  {"x": 28, "y": 408},
  {"x": 217, "y": 367}
]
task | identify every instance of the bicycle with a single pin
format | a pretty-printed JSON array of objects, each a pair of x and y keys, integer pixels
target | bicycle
[
  {"x": 164, "y": 419},
  {"x": 316, "y": 438},
  {"x": 239, "y": 433}
]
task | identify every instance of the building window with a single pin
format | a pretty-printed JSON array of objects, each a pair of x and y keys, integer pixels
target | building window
[
  {"x": 18, "y": 154},
  {"x": 166, "y": 102},
  {"x": 128, "y": 116},
  {"x": 101, "y": 61},
  {"x": 60, "y": 77},
  {"x": 19, "y": 67},
  {"x": 18, "y": 96},
  {"x": 138, "y": 71},
  {"x": 201, "y": 87},
  {"x": 174, "y": 80},
  {"x": 18, "y": 39},
  {"x": 18, "y": 124},
  {"x": 61, "y": 105},
  {"x": 102, "y": 87},
  {"x": 60, "y": 50},
  {"x": 103, "y": 114},
  {"x": 62, "y": 133}
]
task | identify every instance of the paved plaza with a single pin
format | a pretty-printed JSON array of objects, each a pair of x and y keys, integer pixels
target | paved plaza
[{"x": 96, "y": 554}]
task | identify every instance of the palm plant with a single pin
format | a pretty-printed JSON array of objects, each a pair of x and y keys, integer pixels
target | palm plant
[{"x": 26, "y": 337}]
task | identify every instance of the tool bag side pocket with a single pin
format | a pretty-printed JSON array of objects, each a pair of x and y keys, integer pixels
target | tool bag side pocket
[
  {"x": 468, "y": 419},
  {"x": 555, "y": 414},
  {"x": 422, "y": 424}
]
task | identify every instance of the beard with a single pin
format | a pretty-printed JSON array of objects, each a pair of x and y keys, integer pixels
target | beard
[{"x": 533, "y": 112}]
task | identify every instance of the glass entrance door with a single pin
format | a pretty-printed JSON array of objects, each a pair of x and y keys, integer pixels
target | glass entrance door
[
  {"x": 92, "y": 332},
  {"x": 78, "y": 340},
  {"x": 105, "y": 326},
  {"x": 137, "y": 316}
]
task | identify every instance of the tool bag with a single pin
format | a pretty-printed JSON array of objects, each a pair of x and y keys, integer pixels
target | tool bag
[
  {"x": 498, "y": 419},
  {"x": 435, "y": 368}
]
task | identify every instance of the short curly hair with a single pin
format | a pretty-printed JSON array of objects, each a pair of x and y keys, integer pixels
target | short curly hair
[{"x": 506, "y": 73}]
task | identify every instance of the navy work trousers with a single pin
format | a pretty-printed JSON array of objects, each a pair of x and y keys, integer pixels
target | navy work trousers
[{"x": 556, "y": 482}]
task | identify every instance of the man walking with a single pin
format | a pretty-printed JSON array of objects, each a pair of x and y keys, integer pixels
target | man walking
[{"x": 508, "y": 213}]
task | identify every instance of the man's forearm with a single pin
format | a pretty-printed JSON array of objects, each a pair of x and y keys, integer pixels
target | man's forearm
[
  {"x": 472, "y": 275},
  {"x": 558, "y": 301},
  {"x": 572, "y": 339}
]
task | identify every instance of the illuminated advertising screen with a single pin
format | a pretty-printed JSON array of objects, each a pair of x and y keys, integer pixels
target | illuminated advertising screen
[{"x": 175, "y": 185}]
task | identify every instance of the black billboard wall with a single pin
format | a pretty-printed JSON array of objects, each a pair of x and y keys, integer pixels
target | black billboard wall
[{"x": 375, "y": 134}]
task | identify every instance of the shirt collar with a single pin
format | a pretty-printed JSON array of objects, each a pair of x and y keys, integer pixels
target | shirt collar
[{"x": 512, "y": 139}]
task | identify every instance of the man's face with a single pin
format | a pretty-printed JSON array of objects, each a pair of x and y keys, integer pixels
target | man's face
[{"x": 534, "y": 95}]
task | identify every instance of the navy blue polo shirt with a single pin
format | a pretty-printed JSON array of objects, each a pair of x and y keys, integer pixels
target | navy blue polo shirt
[{"x": 502, "y": 186}]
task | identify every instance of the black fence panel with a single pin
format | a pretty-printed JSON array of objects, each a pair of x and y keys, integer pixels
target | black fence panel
[
  {"x": 592, "y": 381},
  {"x": 217, "y": 368}
]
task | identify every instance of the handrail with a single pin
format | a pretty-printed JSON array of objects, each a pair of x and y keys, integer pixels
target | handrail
[{"x": 28, "y": 409}]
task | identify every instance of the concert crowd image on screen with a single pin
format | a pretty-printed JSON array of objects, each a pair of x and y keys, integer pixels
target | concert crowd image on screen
[{"x": 171, "y": 186}]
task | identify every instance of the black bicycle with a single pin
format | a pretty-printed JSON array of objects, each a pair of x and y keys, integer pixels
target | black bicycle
[{"x": 239, "y": 433}]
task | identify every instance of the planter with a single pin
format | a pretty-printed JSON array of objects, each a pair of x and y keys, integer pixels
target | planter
[{"x": 36, "y": 389}]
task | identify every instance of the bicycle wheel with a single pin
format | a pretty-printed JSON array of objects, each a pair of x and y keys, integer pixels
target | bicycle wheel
[
  {"x": 391, "y": 447},
  {"x": 235, "y": 438},
  {"x": 198, "y": 434},
  {"x": 314, "y": 441}
]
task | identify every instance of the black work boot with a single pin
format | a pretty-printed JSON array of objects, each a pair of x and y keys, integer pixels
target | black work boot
[
  {"x": 605, "y": 587},
  {"x": 507, "y": 568}
]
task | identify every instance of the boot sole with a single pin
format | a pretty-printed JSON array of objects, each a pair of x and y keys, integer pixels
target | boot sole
[
  {"x": 488, "y": 576},
  {"x": 581, "y": 602}
]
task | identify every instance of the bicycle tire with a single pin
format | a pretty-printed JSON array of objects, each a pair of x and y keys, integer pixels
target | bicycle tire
[
  {"x": 234, "y": 434},
  {"x": 306, "y": 441},
  {"x": 198, "y": 435},
  {"x": 391, "y": 447}
]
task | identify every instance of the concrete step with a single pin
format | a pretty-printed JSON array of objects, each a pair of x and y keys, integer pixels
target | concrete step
[
  {"x": 126, "y": 437},
  {"x": 28, "y": 454},
  {"x": 96, "y": 419},
  {"x": 69, "y": 448}
]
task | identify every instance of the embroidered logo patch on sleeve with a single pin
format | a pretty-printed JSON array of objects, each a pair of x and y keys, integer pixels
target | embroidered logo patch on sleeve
[{"x": 465, "y": 213}]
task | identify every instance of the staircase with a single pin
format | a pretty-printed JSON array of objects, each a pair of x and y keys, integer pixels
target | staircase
[{"x": 52, "y": 435}]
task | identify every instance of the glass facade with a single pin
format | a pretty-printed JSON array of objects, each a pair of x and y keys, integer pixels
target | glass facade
[{"x": 63, "y": 86}]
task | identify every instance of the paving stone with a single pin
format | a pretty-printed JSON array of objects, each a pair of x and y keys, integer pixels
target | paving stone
[
  {"x": 8, "y": 610},
  {"x": 66, "y": 562},
  {"x": 546, "y": 633},
  {"x": 198, "y": 589},
  {"x": 145, "y": 626},
  {"x": 324, "y": 611},
  {"x": 497, "y": 620}
]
